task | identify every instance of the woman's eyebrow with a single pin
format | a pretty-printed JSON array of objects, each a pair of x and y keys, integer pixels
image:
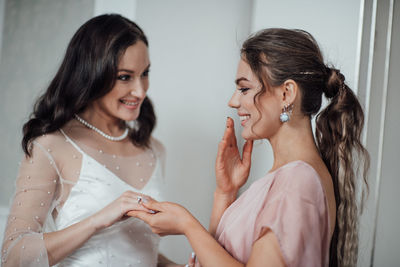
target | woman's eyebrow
[
  {"x": 238, "y": 80},
  {"x": 131, "y": 71},
  {"x": 126, "y": 70}
]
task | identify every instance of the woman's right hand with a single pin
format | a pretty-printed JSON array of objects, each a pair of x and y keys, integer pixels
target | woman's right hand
[
  {"x": 116, "y": 210},
  {"x": 232, "y": 171}
]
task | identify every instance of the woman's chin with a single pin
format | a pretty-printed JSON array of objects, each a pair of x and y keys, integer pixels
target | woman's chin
[
  {"x": 128, "y": 117},
  {"x": 248, "y": 136}
]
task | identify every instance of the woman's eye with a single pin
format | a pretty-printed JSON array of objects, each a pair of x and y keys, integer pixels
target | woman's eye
[
  {"x": 146, "y": 73},
  {"x": 243, "y": 89},
  {"x": 124, "y": 77}
]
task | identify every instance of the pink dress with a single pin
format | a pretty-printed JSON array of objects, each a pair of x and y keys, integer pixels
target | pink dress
[{"x": 291, "y": 202}]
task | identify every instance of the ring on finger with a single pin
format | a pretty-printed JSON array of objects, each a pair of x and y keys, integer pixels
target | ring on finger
[{"x": 139, "y": 199}]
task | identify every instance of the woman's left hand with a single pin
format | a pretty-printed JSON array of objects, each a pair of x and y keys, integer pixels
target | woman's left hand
[
  {"x": 169, "y": 219},
  {"x": 232, "y": 170}
]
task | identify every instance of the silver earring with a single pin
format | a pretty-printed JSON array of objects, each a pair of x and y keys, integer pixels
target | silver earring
[{"x": 286, "y": 112}]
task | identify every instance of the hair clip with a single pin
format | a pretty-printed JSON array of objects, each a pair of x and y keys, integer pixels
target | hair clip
[{"x": 307, "y": 72}]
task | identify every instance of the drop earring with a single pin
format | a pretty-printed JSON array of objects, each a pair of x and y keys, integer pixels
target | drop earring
[{"x": 286, "y": 112}]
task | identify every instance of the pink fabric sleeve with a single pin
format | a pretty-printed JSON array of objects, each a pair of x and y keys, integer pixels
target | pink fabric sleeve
[{"x": 296, "y": 212}]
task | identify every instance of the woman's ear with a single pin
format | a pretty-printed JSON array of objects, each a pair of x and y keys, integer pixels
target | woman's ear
[{"x": 289, "y": 91}]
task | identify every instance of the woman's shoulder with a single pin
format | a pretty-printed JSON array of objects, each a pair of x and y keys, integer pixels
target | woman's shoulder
[
  {"x": 298, "y": 167},
  {"x": 300, "y": 179},
  {"x": 49, "y": 139},
  {"x": 157, "y": 146},
  {"x": 52, "y": 143}
]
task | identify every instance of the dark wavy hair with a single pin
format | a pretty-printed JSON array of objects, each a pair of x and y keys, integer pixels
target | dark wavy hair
[
  {"x": 276, "y": 55},
  {"x": 88, "y": 72}
]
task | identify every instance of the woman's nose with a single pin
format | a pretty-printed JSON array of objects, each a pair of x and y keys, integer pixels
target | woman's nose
[
  {"x": 138, "y": 90},
  {"x": 234, "y": 101}
]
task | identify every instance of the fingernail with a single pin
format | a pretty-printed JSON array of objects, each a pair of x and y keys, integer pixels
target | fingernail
[
  {"x": 152, "y": 211},
  {"x": 145, "y": 200},
  {"x": 193, "y": 255}
]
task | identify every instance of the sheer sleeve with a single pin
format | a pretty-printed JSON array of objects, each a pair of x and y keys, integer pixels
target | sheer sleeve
[
  {"x": 160, "y": 152},
  {"x": 36, "y": 184},
  {"x": 298, "y": 217}
]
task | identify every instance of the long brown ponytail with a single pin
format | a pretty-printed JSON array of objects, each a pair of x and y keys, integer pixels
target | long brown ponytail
[
  {"x": 276, "y": 55},
  {"x": 338, "y": 133}
]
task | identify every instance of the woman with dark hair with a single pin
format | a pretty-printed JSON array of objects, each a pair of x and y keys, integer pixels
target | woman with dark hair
[
  {"x": 85, "y": 166},
  {"x": 303, "y": 212}
]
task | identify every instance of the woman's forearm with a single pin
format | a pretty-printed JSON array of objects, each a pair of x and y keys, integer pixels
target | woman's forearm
[
  {"x": 61, "y": 243},
  {"x": 208, "y": 251},
  {"x": 221, "y": 202}
]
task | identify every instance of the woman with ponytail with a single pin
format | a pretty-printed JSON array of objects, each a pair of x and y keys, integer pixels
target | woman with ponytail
[
  {"x": 303, "y": 212},
  {"x": 86, "y": 165}
]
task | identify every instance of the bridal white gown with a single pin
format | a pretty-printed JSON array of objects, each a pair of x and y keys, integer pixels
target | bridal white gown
[{"x": 66, "y": 181}]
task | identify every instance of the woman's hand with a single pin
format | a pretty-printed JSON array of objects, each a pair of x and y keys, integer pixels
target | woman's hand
[
  {"x": 232, "y": 171},
  {"x": 118, "y": 209},
  {"x": 169, "y": 219}
]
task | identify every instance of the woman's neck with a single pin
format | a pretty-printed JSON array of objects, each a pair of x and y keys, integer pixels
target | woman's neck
[
  {"x": 293, "y": 141},
  {"x": 102, "y": 121}
]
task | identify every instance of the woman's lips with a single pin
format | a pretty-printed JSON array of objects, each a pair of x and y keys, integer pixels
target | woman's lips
[
  {"x": 244, "y": 119},
  {"x": 129, "y": 104}
]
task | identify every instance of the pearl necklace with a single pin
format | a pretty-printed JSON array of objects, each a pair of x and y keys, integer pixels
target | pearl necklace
[{"x": 109, "y": 137}]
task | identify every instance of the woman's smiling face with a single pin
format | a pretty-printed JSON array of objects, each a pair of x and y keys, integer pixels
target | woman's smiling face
[
  {"x": 124, "y": 100},
  {"x": 259, "y": 115}
]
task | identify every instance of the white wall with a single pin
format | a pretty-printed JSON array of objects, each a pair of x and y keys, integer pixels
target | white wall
[
  {"x": 3, "y": 220},
  {"x": 126, "y": 8},
  {"x": 2, "y": 5}
]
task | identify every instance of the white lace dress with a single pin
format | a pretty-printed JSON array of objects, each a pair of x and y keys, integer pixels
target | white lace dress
[{"x": 66, "y": 181}]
